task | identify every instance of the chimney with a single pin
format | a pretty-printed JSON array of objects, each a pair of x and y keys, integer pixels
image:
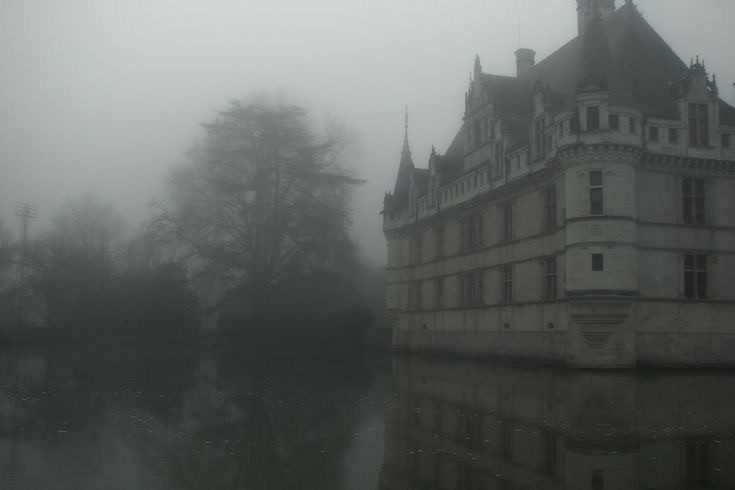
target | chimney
[
  {"x": 525, "y": 59},
  {"x": 587, "y": 9}
]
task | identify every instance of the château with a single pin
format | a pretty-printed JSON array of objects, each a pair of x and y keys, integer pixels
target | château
[{"x": 583, "y": 215}]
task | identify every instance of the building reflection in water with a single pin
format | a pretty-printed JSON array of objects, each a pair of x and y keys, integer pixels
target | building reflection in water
[{"x": 460, "y": 425}]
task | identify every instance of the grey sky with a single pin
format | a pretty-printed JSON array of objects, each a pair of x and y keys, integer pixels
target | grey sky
[{"x": 107, "y": 96}]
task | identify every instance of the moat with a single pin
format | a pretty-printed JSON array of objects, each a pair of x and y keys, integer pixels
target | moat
[{"x": 160, "y": 418}]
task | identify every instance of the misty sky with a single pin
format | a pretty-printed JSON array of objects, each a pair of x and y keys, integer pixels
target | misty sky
[{"x": 107, "y": 96}]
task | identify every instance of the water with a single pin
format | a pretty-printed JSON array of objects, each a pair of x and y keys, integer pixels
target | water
[{"x": 180, "y": 418}]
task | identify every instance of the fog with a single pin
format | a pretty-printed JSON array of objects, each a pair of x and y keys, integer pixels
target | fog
[{"x": 108, "y": 96}]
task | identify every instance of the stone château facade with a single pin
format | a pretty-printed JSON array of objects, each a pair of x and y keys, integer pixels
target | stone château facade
[{"x": 583, "y": 215}]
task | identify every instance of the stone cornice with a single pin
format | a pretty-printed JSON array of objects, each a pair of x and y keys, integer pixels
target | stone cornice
[
  {"x": 599, "y": 152},
  {"x": 679, "y": 162}
]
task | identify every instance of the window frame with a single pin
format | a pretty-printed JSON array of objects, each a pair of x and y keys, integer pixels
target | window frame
[
  {"x": 598, "y": 262},
  {"x": 592, "y": 113},
  {"x": 696, "y": 276},
  {"x": 550, "y": 279},
  {"x": 653, "y": 134},
  {"x": 596, "y": 193},
  {"x": 616, "y": 125},
  {"x": 698, "y": 118},
  {"x": 506, "y": 284},
  {"x": 550, "y": 208},
  {"x": 694, "y": 201}
]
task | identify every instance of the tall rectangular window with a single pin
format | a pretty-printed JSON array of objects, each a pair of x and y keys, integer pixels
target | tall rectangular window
[
  {"x": 596, "y": 207},
  {"x": 693, "y": 201},
  {"x": 439, "y": 233},
  {"x": 472, "y": 288},
  {"x": 593, "y": 118},
  {"x": 725, "y": 140},
  {"x": 598, "y": 262},
  {"x": 439, "y": 292},
  {"x": 561, "y": 130},
  {"x": 673, "y": 135},
  {"x": 417, "y": 246},
  {"x": 550, "y": 208},
  {"x": 550, "y": 278},
  {"x": 653, "y": 133},
  {"x": 506, "y": 286},
  {"x": 632, "y": 126},
  {"x": 695, "y": 276},
  {"x": 507, "y": 220},
  {"x": 417, "y": 300},
  {"x": 472, "y": 232},
  {"x": 698, "y": 124},
  {"x": 614, "y": 121}
]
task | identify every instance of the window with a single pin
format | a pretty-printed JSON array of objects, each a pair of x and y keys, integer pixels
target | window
[
  {"x": 471, "y": 288},
  {"x": 561, "y": 130},
  {"x": 598, "y": 262},
  {"x": 593, "y": 118},
  {"x": 725, "y": 140},
  {"x": 614, "y": 121},
  {"x": 673, "y": 135},
  {"x": 596, "y": 207},
  {"x": 417, "y": 296},
  {"x": 506, "y": 286},
  {"x": 550, "y": 208},
  {"x": 439, "y": 234},
  {"x": 438, "y": 292},
  {"x": 632, "y": 127},
  {"x": 698, "y": 124},
  {"x": 417, "y": 245},
  {"x": 653, "y": 133},
  {"x": 507, "y": 220},
  {"x": 538, "y": 135},
  {"x": 472, "y": 235},
  {"x": 693, "y": 201},
  {"x": 695, "y": 276},
  {"x": 550, "y": 276}
]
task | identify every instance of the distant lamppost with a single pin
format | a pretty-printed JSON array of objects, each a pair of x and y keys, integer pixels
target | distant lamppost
[{"x": 26, "y": 212}]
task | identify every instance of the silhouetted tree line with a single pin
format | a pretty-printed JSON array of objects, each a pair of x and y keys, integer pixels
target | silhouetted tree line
[{"x": 251, "y": 240}]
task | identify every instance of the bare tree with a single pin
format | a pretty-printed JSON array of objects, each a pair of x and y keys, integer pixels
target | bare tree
[{"x": 262, "y": 200}]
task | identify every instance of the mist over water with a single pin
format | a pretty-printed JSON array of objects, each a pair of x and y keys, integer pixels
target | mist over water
[{"x": 164, "y": 418}]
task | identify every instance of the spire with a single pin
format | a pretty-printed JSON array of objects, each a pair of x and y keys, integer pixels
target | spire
[
  {"x": 478, "y": 67},
  {"x": 406, "y": 152},
  {"x": 405, "y": 168}
]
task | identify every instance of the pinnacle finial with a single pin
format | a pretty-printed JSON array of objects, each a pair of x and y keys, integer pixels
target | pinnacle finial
[{"x": 405, "y": 134}]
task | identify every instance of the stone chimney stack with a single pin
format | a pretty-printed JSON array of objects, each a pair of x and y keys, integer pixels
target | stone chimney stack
[
  {"x": 525, "y": 59},
  {"x": 587, "y": 9}
]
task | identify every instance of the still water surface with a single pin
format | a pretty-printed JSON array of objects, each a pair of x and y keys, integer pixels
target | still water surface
[{"x": 154, "y": 418}]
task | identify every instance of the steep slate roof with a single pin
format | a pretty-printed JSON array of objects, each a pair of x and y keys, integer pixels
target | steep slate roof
[
  {"x": 638, "y": 65},
  {"x": 621, "y": 53}
]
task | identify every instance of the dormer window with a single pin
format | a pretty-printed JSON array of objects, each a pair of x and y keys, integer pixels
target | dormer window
[
  {"x": 698, "y": 124},
  {"x": 614, "y": 121},
  {"x": 726, "y": 140},
  {"x": 653, "y": 133},
  {"x": 593, "y": 118}
]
